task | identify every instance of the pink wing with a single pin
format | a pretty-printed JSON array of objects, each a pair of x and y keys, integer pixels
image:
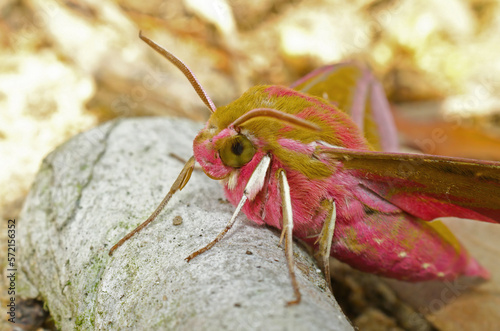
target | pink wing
[
  {"x": 400, "y": 244},
  {"x": 353, "y": 89},
  {"x": 427, "y": 186}
]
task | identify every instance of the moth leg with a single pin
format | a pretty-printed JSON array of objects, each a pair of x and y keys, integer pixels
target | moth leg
[
  {"x": 325, "y": 242},
  {"x": 254, "y": 185},
  {"x": 222, "y": 234},
  {"x": 287, "y": 232},
  {"x": 179, "y": 184}
]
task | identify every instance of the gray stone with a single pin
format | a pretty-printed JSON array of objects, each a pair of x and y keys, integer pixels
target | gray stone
[{"x": 100, "y": 185}]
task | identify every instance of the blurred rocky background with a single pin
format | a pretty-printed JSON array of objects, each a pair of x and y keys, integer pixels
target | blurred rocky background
[{"x": 66, "y": 66}]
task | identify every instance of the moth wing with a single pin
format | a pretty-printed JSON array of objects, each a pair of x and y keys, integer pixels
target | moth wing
[
  {"x": 353, "y": 89},
  {"x": 407, "y": 248},
  {"x": 426, "y": 186}
]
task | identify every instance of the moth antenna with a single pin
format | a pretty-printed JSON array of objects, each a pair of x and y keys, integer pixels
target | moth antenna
[
  {"x": 185, "y": 70},
  {"x": 279, "y": 115}
]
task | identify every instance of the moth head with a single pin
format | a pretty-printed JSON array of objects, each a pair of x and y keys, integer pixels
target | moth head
[
  {"x": 239, "y": 150},
  {"x": 221, "y": 151}
]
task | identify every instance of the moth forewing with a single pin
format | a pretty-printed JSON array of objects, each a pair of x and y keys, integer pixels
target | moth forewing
[
  {"x": 380, "y": 113},
  {"x": 354, "y": 90},
  {"x": 470, "y": 188}
]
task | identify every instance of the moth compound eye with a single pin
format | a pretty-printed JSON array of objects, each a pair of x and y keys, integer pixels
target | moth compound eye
[{"x": 236, "y": 151}]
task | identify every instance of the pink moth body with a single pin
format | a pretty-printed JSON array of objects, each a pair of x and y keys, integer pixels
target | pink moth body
[{"x": 372, "y": 234}]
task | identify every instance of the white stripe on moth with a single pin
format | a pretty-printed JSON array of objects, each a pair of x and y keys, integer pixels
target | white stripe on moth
[
  {"x": 256, "y": 181},
  {"x": 233, "y": 180},
  {"x": 254, "y": 185},
  {"x": 324, "y": 143}
]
